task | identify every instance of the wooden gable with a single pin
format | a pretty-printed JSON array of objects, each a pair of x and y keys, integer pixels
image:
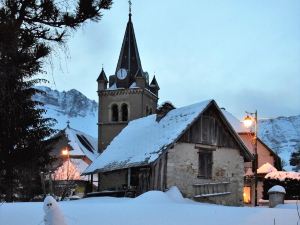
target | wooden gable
[{"x": 210, "y": 129}]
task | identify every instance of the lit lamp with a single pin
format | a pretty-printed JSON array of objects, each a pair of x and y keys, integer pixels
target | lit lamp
[
  {"x": 248, "y": 121},
  {"x": 65, "y": 152}
]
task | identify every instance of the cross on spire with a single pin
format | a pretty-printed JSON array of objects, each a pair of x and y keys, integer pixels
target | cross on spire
[
  {"x": 68, "y": 123},
  {"x": 129, "y": 2}
]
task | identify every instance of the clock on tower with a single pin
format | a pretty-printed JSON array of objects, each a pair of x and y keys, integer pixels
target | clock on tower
[{"x": 122, "y": 74}]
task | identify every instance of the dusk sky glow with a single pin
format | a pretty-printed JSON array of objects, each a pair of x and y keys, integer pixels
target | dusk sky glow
[{"x": 243, "y": 54}]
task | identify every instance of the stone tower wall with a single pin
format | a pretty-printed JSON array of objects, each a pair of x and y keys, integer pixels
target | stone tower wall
[{"x": 137, "y": 100}]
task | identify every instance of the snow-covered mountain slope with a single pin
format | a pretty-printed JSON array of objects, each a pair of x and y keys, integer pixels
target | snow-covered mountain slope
[
  {"x": 282, "y": 134},
  {"x": 70, "y": 106}
]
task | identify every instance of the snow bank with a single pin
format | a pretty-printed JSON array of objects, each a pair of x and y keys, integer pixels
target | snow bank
[
  {"x": 117, "y": 211},
  {"x": 153, "y": 197},
  {"x": 174, "y": 194},
  {"x": 277, "y": 188}
]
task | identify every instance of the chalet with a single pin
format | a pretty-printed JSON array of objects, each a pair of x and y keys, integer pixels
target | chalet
[
  {"x": 194, "y": 148},
  {"x": 268, "y": 160},
  {"x": 74, "y": 151}
]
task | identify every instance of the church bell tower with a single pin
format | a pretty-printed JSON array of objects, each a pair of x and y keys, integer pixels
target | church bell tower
[{"x": 127, "y": 94}]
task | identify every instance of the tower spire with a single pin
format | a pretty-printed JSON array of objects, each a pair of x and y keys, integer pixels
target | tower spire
[{"x": 129, "y": 59}]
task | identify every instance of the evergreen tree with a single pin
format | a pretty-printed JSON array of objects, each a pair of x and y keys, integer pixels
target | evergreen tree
[
  {"x": 29, "y": 30},
  {"x": 295, "y": 160}
]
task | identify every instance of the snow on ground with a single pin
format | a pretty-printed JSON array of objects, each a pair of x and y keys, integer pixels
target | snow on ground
[{"x": 151, "y": 208}]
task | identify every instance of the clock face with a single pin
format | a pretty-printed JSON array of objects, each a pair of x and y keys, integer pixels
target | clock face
[{"x": 122, "y": 73}]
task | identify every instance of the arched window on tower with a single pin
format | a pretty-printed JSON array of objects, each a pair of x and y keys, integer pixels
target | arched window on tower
[
  {"x": 124, "y": 112},
  {"x": 115, "y": 113}
]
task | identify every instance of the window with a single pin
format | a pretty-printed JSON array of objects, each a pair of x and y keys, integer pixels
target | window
[
  {"x": 124, "y": 112},
  {"x": 85, "y": 142},
  {"x": 205, "y": 163},
  {"x": 115, "y": 113},
  {"x": 247, "y": 195}
]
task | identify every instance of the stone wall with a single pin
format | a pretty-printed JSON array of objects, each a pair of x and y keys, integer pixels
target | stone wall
[
  {"x": 228, "y": 165},
  {"x": 138, "y": 100}
]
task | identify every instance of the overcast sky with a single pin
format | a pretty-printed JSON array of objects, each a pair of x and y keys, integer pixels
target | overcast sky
[{"x": 243, "y": 54}]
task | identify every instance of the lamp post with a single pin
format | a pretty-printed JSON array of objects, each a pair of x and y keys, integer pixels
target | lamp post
[
  {"x": 248, "y": 122},
  {"x": 65, "y": 152}
]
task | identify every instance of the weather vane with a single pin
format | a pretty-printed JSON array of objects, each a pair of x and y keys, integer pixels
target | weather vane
[{"x": 129, "y": 2}]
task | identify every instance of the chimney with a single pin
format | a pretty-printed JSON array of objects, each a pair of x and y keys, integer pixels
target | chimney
[{"x": 163, "y": 110}]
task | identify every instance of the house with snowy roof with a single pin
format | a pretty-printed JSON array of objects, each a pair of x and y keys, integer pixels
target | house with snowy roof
[
  {"x": 74, "y": 151},
  {"x": 268, "y": 160},
  {"x": 194, "y": 148}
]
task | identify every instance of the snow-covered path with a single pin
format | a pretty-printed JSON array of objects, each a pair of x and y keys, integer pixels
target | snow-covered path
[{"x": 152, "y": 208}]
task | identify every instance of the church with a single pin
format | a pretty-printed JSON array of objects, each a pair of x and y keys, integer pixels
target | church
[
  {"x": 126, "y": 95},
  {"x": 145, "y": 147}
]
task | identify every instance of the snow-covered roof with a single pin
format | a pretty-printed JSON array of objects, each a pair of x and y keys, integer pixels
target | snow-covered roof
[
  {"x": 282, "y": 175},
  {"x": 114, "y": 86},
  {"x": 133, "y": 85},
  {"x": 235, "y": 123},
  {"x": 71, "y": 170},
  {"x": 81, "y": 143},
  {"x": 143, "y": 140},
  {"x": 266, "y": 168},
  {"x": 239, "y": 127}
]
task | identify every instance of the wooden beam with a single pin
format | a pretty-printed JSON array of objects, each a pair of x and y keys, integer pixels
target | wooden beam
[
  {"x": 92, "y": 182},
  {"x": 129, "y": 178}
]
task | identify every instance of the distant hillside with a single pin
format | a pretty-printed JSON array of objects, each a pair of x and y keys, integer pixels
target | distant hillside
[
  {"x": 70, "y": 105},
  {"x": 282, "y": 134}
]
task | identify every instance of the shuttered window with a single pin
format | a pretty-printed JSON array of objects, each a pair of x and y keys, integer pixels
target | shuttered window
[{"x": 205, "y": 163}]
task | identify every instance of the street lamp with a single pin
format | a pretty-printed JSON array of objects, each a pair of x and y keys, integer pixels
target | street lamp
[
  {"x": 65, "y": 152},
  {"x": 248, "y": 121}
]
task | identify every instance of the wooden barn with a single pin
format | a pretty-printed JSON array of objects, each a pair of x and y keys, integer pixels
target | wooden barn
[{"x": 193, "y": 147}]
